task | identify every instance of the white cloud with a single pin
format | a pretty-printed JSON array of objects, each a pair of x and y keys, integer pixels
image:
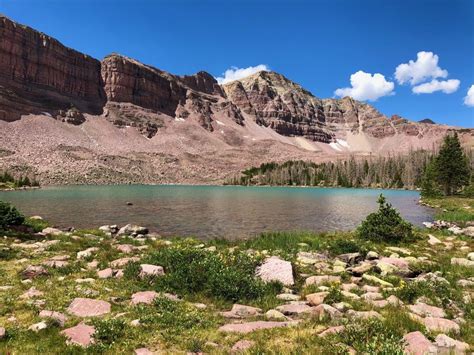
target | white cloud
[
  {"x": 424, "y": 68},
  {"x": 366, "y": 86},
  {"x": 235, "y": 73},
  {"x": 446, "y": 86},
  {"x": 469, "y": 98}
]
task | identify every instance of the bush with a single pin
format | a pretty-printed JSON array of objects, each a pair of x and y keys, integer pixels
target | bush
[
  {"x": 385, "y": 225},
  {"x": 226, "y": 276},
  {"x": 9, "y": 216}
]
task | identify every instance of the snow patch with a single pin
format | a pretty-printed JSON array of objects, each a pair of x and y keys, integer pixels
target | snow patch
[
  {"x": 179, "y": 119},
  {"x": 46, "y": 114},
  {"x": 219, "y": 122},
  {"x": 335, "y": 146},
  {"x": 343, "y": 143}
]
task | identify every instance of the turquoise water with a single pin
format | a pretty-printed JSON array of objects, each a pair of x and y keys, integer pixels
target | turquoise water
[{"x": 211, "y": 211}]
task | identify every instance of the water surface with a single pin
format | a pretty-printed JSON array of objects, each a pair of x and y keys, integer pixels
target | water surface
[{"x": 212, "y": 211}]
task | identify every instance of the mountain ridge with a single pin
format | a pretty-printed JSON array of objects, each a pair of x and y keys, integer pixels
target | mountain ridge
[{"x": 191, "y": 119}]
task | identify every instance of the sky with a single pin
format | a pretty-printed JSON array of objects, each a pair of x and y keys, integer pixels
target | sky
[{"x": 412, "y": 58}]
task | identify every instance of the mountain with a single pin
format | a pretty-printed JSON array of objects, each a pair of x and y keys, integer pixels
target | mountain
[{"x": 68, "y": 118}]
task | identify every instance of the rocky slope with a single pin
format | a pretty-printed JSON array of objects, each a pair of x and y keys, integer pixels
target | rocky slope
[{"x": 206, "y": 131}]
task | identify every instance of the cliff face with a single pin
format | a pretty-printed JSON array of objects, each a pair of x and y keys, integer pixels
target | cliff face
[
  {"x": 289, "y": 109},
  {"x": 38, "y": 73}
]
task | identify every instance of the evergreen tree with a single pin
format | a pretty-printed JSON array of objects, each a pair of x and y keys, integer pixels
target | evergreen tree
[{"x": 452, "y": 166}]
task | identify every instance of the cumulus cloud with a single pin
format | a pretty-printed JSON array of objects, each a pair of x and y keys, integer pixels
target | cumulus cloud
[
  {"x": 424, "y": 68},
  {"x": 366, "y": 86},
  {"x": 446, "y": 86},
  {"x": 469, "y": 98},
  {"x": 235, "y": 73}
]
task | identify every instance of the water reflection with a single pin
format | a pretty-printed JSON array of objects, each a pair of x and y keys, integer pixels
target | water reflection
[{"x": 212, "y": 211}]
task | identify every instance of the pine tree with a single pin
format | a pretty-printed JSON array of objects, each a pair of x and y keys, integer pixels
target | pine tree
[{"x": 451, "y": 164}]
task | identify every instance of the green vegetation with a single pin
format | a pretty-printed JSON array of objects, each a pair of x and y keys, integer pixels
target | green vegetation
[
  {"x": 8, "y": 181},
  {"x": 385, "y": 225},
  {"x": 457, "y": 209},
  {"x": 9, "y": 216},
  {"x": 449, "y": 171},
  {"x": 378, "y": 172},
  {"x": 203, "y": 279}
]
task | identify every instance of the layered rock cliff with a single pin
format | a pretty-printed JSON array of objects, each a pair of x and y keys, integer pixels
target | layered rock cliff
[{"x": 38, "y": 74}]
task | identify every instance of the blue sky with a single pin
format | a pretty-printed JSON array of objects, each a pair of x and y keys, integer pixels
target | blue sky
[{"x": 318, "y": 44}]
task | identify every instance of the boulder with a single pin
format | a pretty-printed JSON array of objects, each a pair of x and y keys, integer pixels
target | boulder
[
  {"x": 276, "y": 269},
  {"x": 361, "y": 269},
  {"x": 417, "y": 344},
  {"x": 143, "y": 351},
  {"x": 249, "y": 327},
  {"x": 32, "y": 293},
  {"x": 307, "y": 258},
  {"x": 462, "y": 262},
  {"x": 87, "y": 307},
  {"x": 87, "y": 253},
  {"x": 372, "y": 255},
  {"x": 442, "y": 325},
  {"x": 374, "y": 279},
  {"x": 81, "y": 335},
  {"x": 105, "y": 274},
  {"x": 288, "y": 297},
  {"x": 363, "y": 314},
  {"x": 132, "y": 229},
  {"x": 424, "y": 310},
  {"x": 52, "y": 231},
  {"x": 38, "y": 326},
  {"x": 432, "y": 240}
]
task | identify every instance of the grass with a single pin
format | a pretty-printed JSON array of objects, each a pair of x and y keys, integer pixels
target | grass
[
  {"x": 218, "y": 277},
  {"x": 457, "y": 209}
]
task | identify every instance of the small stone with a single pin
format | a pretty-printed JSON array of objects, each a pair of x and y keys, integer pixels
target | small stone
[
  {"x": 125, "y": 248},
  {"x": 315, "y": 299},
  {"x": 87, "y": 253},
  {"x": 369, "y": 288},
  {"x": 80, "y": 335},
  {"x": 394, "y": 300},
  {"x": 349, "y": 287},
  {"x": 372, "y": 255},
  {"x": 462, "y": 262},
  {"x": 105, "y": 274},
  {"x": 135, "y": 323},
  {"x": 288, "y": 297},
  {"x": 3, "y": 333},
  {"x": 322, "y": 279},
  {"x": 275, "y": 315},
  {"x": 361, "y": 269},
  {"x": 33, "y": 271},
  {"x": 239, "y": 311},
  {"x": 143, "y": 351},
  {"x": 86, "y": 307},
  {"x": 372, "y": 296},
  {"x": 447, "y": 345},
  {"x": 58, "y": 317},
  {"x": 331, "y": 331},
  {"x": 374, "y": 279},
  {"x": 32, "y": 293},
  {"x": 146, "y": 297},
  {"x": 363, "y": 314},
  {"x": 242, "y": 345},
  {"x": 425, "y": 310},
  {"x": 147, "y": 270},
  {"x": 122, "y": 262},
  {"x": 244, "y": 328},
  {"x": 293, "y": 309},
  {"x": 432, "y": 240},
  {"x": 326, "y": 311},
  {"x": 350, "y": 258},
  {"x": 52, "y": 231},
  {"x": 38, "y": 326}
]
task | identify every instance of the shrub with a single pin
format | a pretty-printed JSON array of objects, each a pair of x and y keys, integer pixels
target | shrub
[
  {"x": 227, "y": 276},
  {"x": 109, "y": 331},
  {"x": 372, "y": 336},
  {"x": 385, "y": 225},
  {"x": 9, "y": 215}
]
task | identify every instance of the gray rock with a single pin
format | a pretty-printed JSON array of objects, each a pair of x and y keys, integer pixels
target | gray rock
[{"x": 276, "y": 269}]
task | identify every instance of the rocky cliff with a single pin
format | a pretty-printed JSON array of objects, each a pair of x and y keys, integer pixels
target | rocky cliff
[
  {"x": 68, "y": 118},
  {"x": 38, "y": 74}
]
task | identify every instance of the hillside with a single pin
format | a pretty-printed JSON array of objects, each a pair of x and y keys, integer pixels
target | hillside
[{"x": 68, "y": 118}]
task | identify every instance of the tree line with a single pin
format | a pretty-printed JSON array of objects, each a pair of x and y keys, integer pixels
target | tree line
[
  {"x": 9, "y": 181},
  {"x": 397, "y": 171}
]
